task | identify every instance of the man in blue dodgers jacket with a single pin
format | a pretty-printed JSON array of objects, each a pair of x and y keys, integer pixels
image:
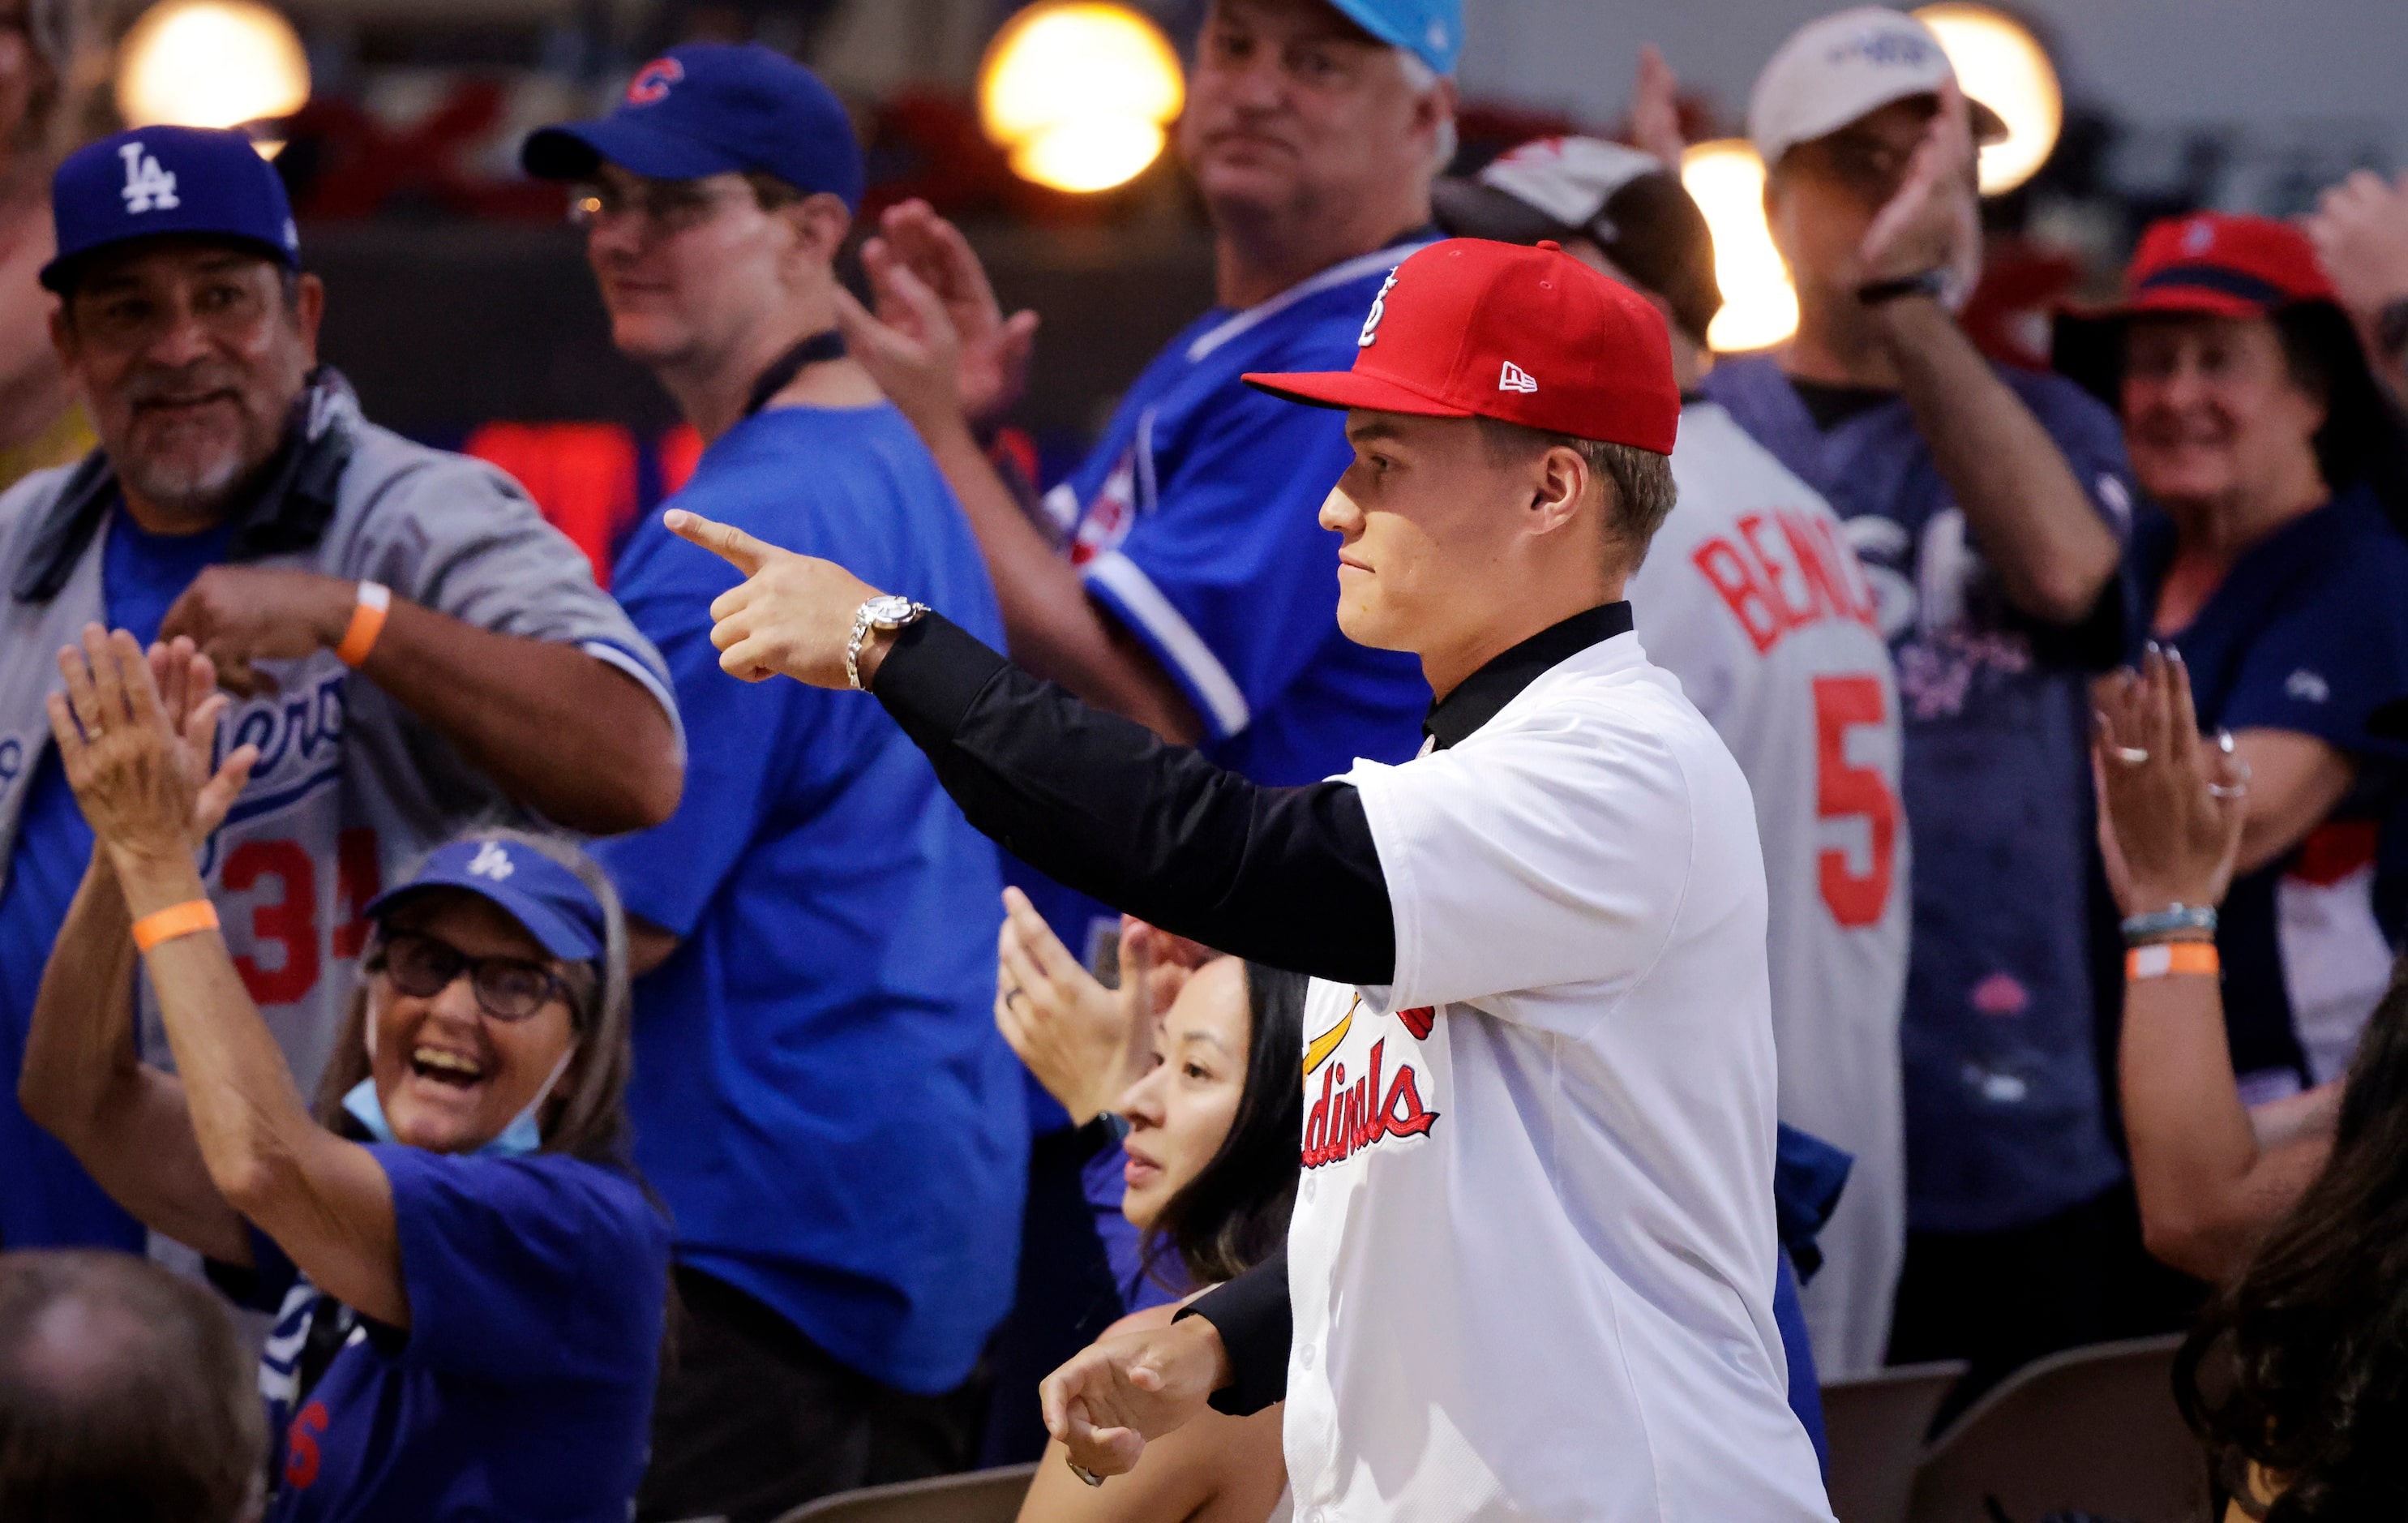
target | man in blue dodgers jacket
[
  {"x": 1177, "y": 577},
  {"x": 413, "y": 648}
]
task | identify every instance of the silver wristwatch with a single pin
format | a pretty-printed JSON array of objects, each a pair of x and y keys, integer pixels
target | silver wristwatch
[{"x": 885, "y": 612}]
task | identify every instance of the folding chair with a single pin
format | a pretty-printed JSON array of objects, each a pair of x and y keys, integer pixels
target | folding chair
[
  {"x": 981, "y": 1496},
  {"x": 2092, "y": 1429},
  {"x": 1874, "y": 1427}
]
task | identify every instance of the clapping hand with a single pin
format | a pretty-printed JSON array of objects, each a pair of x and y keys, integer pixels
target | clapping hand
[
  {"x": 1932, "y": 222},
  {"x": 135, "y": 734},
  {"x": 2171, "y": 806},
  {"x": 2360, "y": 230},
  {"x": 989, "y": 352},
  {"x": 1085, "y": 1043},
  {"x": 1655, "y": 109}
]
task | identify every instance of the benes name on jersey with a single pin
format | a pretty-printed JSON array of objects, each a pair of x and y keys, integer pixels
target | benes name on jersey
[
  {"x": 1782, "y": 571},
  {"x": 1380, "y": 1104}
]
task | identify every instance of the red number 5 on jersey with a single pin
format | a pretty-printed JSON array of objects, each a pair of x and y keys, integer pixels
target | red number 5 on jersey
[{"x": 1848, "y": 792}]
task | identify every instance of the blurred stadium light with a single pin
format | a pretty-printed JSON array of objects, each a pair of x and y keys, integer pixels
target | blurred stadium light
[
  {"x": 1759, "y": 307},
  {"x": 1078, "y": 94},
  {"x": 2001, "y": 64},
  {"x": 211, "y": 64}
]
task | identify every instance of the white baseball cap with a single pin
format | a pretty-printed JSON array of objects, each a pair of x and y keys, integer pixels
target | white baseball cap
[{"x": 1846, "y": 66}]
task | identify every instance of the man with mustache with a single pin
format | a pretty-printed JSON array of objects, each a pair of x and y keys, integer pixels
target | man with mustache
[
  {"x": 410, "y": 646},
  {"x": 1177, "y": 577}
]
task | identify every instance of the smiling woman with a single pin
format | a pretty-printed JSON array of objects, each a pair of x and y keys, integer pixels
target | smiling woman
[{"x": 467, "y": 1277}]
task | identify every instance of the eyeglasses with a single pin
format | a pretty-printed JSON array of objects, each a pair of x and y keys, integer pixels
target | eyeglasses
[
  {"x": 507, "y": 989},
  {"x": 663, "y": 205}
]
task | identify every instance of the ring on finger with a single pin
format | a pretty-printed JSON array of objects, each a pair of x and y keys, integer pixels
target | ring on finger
[
  {"x": 1081, "y": 1472},
  {"x": 2129, "y": 755},
  {"x": 1015, "y": 992}
]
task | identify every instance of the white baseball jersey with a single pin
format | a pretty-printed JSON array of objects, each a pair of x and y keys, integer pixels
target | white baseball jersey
[
  {"x": 1752, "y": 597},
  {"x": 1533, "y": 1254}
]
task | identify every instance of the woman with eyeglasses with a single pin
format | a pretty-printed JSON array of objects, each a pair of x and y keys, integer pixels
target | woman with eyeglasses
[{"x": 469, "y": 1277}]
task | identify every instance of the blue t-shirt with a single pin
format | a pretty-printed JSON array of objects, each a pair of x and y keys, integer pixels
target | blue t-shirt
[
  {"x": 2307, "y": 632},
  {"x": 2005, "y": 1119},
  {"x": 522, "y": 1389},
  {"x": 820, "y": 1092},
  {"x": 47, "y": 1201}
]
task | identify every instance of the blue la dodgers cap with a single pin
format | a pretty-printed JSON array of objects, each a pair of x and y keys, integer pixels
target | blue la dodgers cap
[
  {"x": 713, "y": 109},
  {"x": 552, "y": 902},
  {"x": 1430, "y": 30},
  {"x": 196, "y": 182}
]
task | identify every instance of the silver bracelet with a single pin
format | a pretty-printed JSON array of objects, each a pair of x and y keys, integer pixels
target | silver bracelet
[{"x": 2166, "y": 922}]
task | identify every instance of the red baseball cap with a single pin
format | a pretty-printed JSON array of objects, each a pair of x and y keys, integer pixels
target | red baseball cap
[
  {"x": 2223, "y": 265},
  {"x": 2209, "y": 263},
  {"x": 1470, "y": 328}
]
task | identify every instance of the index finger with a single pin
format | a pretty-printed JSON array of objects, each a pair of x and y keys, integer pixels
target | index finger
[{"x": 725, "y": 541}]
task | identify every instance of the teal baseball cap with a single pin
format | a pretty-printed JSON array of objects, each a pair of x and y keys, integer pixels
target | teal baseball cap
[{"x": 1430, "y": 30}]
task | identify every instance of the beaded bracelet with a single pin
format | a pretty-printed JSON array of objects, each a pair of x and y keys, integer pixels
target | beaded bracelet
[{"x": 2170, "y": 921}]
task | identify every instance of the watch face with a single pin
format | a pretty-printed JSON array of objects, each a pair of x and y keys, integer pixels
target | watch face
[{"x": 889, "y": 610}]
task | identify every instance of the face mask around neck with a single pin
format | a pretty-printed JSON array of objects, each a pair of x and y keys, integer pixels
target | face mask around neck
[{"x": 522, "y": 1136}]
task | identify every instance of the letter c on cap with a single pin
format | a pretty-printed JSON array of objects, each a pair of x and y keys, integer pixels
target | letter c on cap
[{"x": 651, "y": 83}]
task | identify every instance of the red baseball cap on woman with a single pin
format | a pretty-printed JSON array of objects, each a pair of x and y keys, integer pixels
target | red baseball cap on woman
[
  {"x": 1525, "y": 335},
  {"x": 2218, "y": 264}
]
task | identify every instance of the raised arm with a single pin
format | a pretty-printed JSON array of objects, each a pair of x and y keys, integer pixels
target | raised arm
[
  {"x": 2034, "y": 523},
  {"x": 326, "y": 1202},
  {"x": 2171, "y": 811},
  {"x": 914, "y": 349},
  {"x": 557, "y": 729},
  {"x": 1285, "y": 876}
]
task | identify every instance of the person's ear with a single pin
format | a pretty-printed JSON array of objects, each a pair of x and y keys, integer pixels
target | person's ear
[
  {"x": 1560, "y": 488},
  {"x": 309, "y": 309},
  {"x": 63, "y": 336},
  {"x": 821, "y": 223}
]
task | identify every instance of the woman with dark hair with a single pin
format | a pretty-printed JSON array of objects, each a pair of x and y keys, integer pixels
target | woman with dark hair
[
  {"x": 2297, "y": 1374},
  {"x": 2270, "y": 558},
  {"x": 469, "y": 1279},
  {"x": 1211, "y": 1171}
]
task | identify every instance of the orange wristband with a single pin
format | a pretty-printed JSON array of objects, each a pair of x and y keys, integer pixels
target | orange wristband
[
  {"x": 2165, "y": 959},
  {"x": 367, "y": 623},
  {"x": 174, "y": 921}
]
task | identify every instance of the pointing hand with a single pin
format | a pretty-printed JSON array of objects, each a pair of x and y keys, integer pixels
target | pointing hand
[{"x": 791, "y": 615}]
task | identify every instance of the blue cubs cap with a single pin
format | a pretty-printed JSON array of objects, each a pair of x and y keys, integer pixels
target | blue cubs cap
[
  {"x": 197, "y": 181},
  {"x": 555, "y": 906},
  {"x": 1430, "y": 30},
  {"x": 713, "y": 109}
]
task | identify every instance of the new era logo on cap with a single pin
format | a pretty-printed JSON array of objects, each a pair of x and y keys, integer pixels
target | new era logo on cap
[{"x": 1514, "y": 378}]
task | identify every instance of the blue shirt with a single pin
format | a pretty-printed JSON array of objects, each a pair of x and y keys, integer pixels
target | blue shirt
[
  {"x": 47, "y": 1201},
  {"x": 820, "y": 1092},
  {"x": 523, "y": 1387},
  {"x": 2308, "y": 632},
  {"x": 2005, "y": 1120}
]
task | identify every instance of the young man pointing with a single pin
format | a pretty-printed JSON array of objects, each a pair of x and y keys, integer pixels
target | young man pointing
[{"x": 1531, "y": 1267}]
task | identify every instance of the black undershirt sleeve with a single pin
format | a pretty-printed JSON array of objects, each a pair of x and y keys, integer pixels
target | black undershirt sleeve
[
  {"x": 1252, "y": 1316},
  {"x": 1288, "y": 877}
]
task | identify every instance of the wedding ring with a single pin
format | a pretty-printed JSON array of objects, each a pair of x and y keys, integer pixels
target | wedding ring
[
  {"x": 1081, "y": 1472},
  {"x": 2129, "y": 755}
]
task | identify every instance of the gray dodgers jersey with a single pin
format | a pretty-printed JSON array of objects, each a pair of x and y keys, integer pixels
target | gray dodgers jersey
[{"x": 351, "y": 788}]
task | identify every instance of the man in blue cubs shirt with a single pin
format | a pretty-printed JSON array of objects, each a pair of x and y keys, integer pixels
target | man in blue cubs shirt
[
  {"x": 1989, "y": 507},
  {"x": 820, "y": 1095},
  {"x": 1180, "y": 576}
]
